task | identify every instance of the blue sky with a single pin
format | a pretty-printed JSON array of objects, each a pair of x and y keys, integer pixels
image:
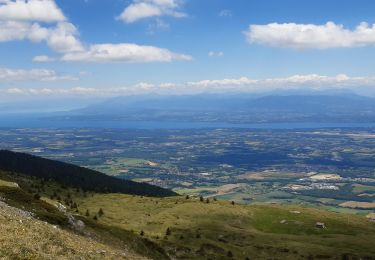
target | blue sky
[{"x": 196, "y": 46}]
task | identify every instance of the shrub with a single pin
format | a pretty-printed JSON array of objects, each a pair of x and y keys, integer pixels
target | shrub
[{"x": 101, "y": 212}]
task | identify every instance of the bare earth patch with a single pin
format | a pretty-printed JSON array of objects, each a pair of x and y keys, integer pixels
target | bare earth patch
[
  {"x": 358, "y": 204},
  {"x": 320, "y": 177}
]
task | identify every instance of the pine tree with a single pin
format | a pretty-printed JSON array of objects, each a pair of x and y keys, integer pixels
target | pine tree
[
  {"x": 168, "y": 232},
  {"x": 87, "y": 213},
  {"x": 201, "y": 198},
  {"x": 101, "y": 212}
]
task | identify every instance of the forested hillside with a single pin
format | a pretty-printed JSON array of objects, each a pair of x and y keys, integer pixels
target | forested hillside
[{"x": 75, "y": 176}]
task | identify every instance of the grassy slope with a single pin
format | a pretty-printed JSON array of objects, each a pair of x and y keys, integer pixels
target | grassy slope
[
  {"x": 200, "y": 230},
  {"x": 27, "y": 238},
  {"x": 246, "y": 231},
  {"x": 37, "y": 238}
]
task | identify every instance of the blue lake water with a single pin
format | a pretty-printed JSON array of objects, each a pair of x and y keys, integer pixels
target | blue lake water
[{"x": 35, "y": 122}]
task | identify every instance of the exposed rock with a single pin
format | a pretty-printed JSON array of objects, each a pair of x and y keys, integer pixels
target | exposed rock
[
  {"x": 320, "y": 225},
  {"x": 61, "y": 207},
  {"x": 77, "y": 225}
]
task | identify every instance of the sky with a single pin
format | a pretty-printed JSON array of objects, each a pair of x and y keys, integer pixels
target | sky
[{"x": 93, "y": 49}]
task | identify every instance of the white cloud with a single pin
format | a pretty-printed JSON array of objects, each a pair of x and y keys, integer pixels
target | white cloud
[
  {"x": 30, "y": 10},
  {"x": 61, "y": 38},
  {"x": 141, "y": 9},
  {"x": 13, "y": 30},
  {"x": 295, "y": 82},
  {"x": 158, "y": 25},
  {"x": 225, "y": 13},
  {"x": 49, "y": 91},
  {"x": 304, "y": 36},
  {"x": 240, "y": 85},
  {"x": 43, "y": 58},
  {"x": 215, "y": 54},
  {"x": 64, "y": 38},
  {"x": 33, "y": 74},
  {"x": 129, "y": 53},
  {"x": 19, "y": 20}
]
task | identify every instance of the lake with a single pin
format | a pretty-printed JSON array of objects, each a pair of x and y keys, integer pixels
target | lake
[{"x": 22, "y": 121}]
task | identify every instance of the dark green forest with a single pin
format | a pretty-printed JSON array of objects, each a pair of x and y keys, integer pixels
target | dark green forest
[{"x": 75, "y": 176}]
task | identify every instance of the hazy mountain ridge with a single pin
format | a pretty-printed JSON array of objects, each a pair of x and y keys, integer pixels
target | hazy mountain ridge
[{"x": 234, "y": 108}]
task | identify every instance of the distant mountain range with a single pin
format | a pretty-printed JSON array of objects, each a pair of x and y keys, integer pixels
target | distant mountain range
[{"x": 234, "y": 108}]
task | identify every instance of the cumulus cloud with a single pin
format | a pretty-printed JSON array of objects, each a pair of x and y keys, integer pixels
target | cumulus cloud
[
  {"x": 43, "y": 58},
  {"x": 64, "y": 38},
  {"x": 240, "y": 85},
  {"x": 310, "y": 36},
  {"x": 130, "y": 53},
  {"x": 21, "y": 20},
  {"x": 61, "y": 38},
  {"x": 33, "y": 74},
  {"x": 13, "y": 30},
  {"x": 215, "y": 54},
  {"x": 158, "y": 25},
  {"x": 141, "y": 9},
  {"x": 225, "y": 13},
  {"x": 31, "y": 10},
  {"x": 49, "y": 91}
]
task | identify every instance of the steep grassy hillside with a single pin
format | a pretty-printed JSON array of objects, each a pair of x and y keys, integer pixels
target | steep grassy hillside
[
  {"x": 36, "y": 226},
  {"x": 24, "y": 237},
  {"x": 75, "y": 176}
]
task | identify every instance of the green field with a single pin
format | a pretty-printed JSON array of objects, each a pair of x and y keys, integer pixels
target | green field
[
  {"x": 200, "y": 229},
  {"x": 363, "y": 188}
]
